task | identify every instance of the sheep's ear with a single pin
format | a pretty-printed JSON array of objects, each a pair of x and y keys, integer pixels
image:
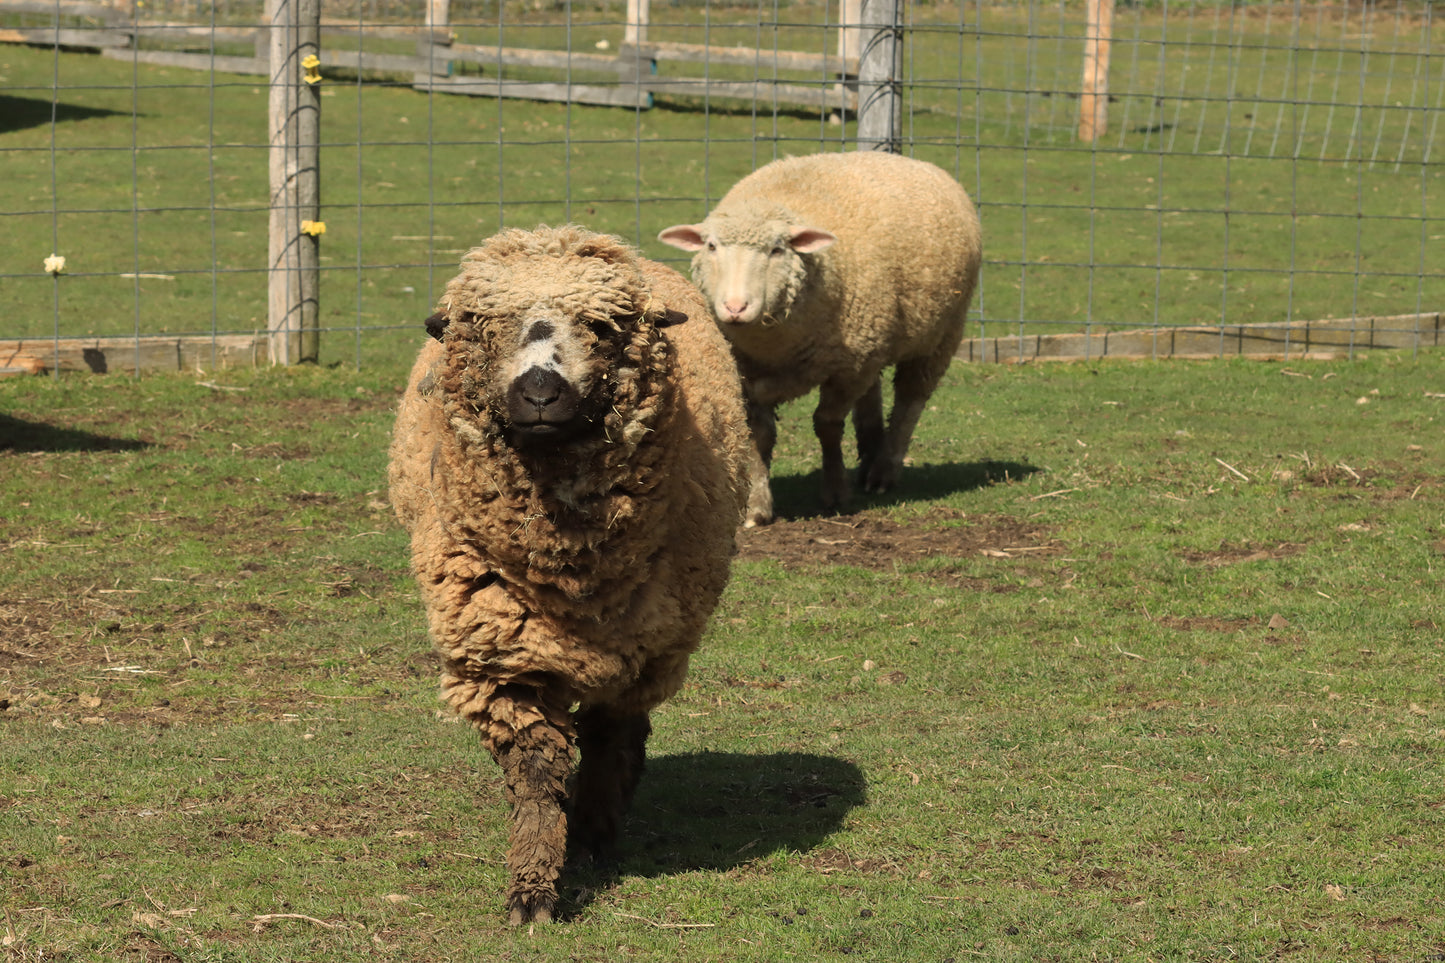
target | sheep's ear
[
  {"x": 684, "y": 237},
  {"x": 436, "y": 325},
  {"x": 809, "y": 240},
  {"x": 668, "y": 318}
]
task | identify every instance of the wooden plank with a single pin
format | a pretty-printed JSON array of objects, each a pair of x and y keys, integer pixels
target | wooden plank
[
  {"x": 762, "y": 90},
  {"x": 525, "y": 57},
  {"x": 93, "y": 38},
  {"x": 828, "y": 65},
  {"x": 622, "y": 95},
  {"x": 345, "y": 28},
  {"x": 129, "y": 355},
  {"x": 192, "y": 61},
  {"x": 1284, "y": 341},
  {"x": 98, "y": 11},
  {"x": 365, "y": 60},
  {"x": 183, "y": 32}
]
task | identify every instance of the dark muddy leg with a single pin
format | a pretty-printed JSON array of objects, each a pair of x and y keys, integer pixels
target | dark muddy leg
[
  {"x": 531, "y": 740},
  {"x": 828, "y": 417},
  {"x": 614, "y": 750},
  {"x": 868, "y": 428}
]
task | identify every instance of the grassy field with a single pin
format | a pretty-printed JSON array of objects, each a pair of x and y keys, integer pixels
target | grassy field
[
  {"x": 1143, "y": 662},
  {"x": 1256, "y": 169}
]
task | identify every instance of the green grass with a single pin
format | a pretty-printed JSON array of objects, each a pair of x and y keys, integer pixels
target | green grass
[
  {"x": 1266, "y": 169},
  {"x": 1164, "y": 683}
]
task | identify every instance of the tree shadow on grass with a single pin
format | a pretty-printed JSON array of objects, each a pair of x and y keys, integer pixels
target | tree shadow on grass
[
  {"x": 718, "y": 810},
  {"x": 16, "y": 434},
  {"x": 797, "y": 496},
  {"x": 18, "y": 113}
]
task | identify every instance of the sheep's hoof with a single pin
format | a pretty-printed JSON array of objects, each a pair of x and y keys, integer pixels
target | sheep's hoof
[
  {"x": 759, "y": 510},
  {"x": 834, "y": 500},
  {"x": 536, "y": 908},
  {"x": 881, "y": 476}
]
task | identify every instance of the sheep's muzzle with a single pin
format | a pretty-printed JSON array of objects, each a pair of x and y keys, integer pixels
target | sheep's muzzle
[{"x": 544, "y": 406}]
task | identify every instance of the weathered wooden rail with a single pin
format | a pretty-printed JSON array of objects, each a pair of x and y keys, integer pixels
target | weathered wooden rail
[
  {"x": 130, "y": 355},
  {"x": 1295, "y": 341},
  {"x": 1283, "y": 341},
  {"x": 628, "y": 78}
]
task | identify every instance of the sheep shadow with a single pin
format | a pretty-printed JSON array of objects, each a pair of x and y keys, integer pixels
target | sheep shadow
[
  {"x": 715, "y": 811},
  {"x": 17, "y": 434},
  {"x": 796, "y": 496},
  {"x": 18, "y": 113}
]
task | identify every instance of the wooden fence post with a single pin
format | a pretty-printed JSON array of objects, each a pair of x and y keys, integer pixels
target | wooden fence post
[
  {"x": 880, "y": 77},
  {"x": 293, "y": 302},
  {"x": 638, "y": 13},
  {"x": 434, "y": 47},
  {"x": 1094, "y": 94},
  {"x": 850, "y": 31}
]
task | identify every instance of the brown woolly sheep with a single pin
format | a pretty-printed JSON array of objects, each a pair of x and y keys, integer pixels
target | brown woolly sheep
[
  {"x": 822, "y": 271},
  {"x": 570, "y": 459}
]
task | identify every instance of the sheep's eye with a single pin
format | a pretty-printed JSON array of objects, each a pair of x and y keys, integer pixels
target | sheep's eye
[
  {"x": 778, "y": 251},
  {"x": 712, "y": 246},
  {"x": 602, "y": 328}
]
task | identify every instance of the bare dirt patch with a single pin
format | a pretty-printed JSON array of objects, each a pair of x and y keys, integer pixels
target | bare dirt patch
[
  {"x": 837, "y": 861},
  {"x": 878, "y": 542},
  {"x": 1231, "y": 554},
  {"x": 1387, "y": 481}
]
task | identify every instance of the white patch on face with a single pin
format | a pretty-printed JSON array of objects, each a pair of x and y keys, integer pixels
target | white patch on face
[{"x": 548, "y": 341}]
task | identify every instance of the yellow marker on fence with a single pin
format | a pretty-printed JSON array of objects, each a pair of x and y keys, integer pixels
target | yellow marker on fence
[
  {"x": 312, "y": 65},
  {"x": 313, "y": 228}
]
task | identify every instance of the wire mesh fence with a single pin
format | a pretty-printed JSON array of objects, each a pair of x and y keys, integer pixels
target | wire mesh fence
[{"x": 1265, "y": 163}]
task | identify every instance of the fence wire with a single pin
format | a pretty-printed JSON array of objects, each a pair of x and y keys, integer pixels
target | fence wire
[{"x": 1261, "y": 163}]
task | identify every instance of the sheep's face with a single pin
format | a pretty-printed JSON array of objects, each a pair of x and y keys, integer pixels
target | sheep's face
[
  {"x": 542, "y": 375},
  {"x": 551, "y": 339},
  {"x": 750, "y": 273},
  {"x": 554, "y": 383}
]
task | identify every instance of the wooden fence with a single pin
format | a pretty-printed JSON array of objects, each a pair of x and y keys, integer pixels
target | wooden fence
[
  {"x": 1296, "y": 341},
  {"x": 1282, "y": 341},
  {"x": 826, "y": 81}
]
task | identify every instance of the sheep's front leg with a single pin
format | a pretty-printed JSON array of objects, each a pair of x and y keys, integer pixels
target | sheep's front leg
[
  {"x": 763, "y": 425},
  {"x": 828, "y": 419},
  {"x": 529, "y": 736},
  {"x": 614, "y": 750}
]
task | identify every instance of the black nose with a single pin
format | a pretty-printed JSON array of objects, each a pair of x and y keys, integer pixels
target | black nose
[
  {"x": 540, "y": 387},
  {"x": 541, "y": 401}
]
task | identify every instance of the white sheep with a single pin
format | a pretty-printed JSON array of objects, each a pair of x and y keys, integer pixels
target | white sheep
[
  {"x": 570, "y": 459},
  {"x": 822, "y": 271}
]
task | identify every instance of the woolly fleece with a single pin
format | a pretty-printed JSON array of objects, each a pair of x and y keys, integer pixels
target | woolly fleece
[
  {"x": 890, "y": 287},
  {"x": 582, "y": 573}
]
